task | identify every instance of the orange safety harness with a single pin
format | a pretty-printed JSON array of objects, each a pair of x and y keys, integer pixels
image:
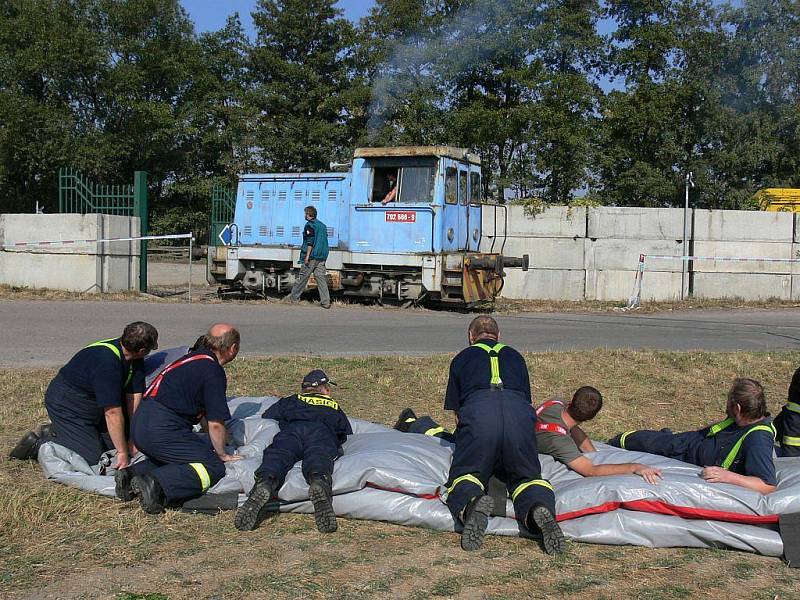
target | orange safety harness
[{"x": 551, "y": 427}]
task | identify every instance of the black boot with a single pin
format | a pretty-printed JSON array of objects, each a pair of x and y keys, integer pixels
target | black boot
[
  {"x": 27, "y": 448},
  {"x": 246, "y": 517},
  {"x": 476, "y": 520},
  {"x": 407, "y": 416},
  {"x": 122, "y": 484},
  {"x": 321, "y": 494},
  {"x": 46, "y": 431},
  {"x": 541, "y": 520},
  {"x": 151, "y": 496}
]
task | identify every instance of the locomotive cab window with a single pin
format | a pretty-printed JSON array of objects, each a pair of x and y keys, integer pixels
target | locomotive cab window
[
  {"x": 451, "y": 185},
  {"x": 384, "y": 181},
  {"x": 475, "y": 189},
  {"x": 462, "y": 187},
  {"x": 405, "y": 184}
]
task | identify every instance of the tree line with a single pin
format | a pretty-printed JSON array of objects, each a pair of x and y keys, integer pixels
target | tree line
[{"x": 559, "y": 111}]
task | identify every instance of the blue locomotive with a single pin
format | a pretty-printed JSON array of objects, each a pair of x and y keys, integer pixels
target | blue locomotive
[{"x": 404, "y": 224}]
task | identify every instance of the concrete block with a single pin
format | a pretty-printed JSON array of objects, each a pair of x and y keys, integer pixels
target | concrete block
[
  {"x": 118, "y": 273},
  {"x": 553, "y": 221},
  {"x": 107, "y": 266},
  {"x": 743, "y": 225},
  {"x": 71, "y": 272},
  {"x": 33, "y": 228},
  {"x": 115, "y": 226},
  {"x": 623, "y": 254},
  {"x": 750, "y": 286},
  {"x": 636, "y": 223},
  {"x": 619, "y": 285},
  {"x": 544, "y": 284},
  {"x": 544, "y": 253},
  {"x": 744, "y": 250}
]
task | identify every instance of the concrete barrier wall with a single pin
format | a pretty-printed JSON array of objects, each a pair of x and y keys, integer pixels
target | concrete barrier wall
[
  {"x": 578, "y": 253},
  {"x": 92, "y": 267}
]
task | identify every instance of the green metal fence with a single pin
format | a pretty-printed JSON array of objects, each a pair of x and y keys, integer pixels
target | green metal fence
[
  {"x": 79, "y": 194},
  {"x": 223, "y": 205}
]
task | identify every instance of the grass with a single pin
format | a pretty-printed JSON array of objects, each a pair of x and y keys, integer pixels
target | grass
[{"x": 57, "y": 542}]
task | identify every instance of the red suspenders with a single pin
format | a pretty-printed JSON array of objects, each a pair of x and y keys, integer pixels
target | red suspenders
[{"x": 153, "y": 389}]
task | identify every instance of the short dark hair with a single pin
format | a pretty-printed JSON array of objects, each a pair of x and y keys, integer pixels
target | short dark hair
[
  {"x": 749, "y": 395},
  {"x": 484, "y": 326},
  {"x": 794, "y": 388},
  {"x": 222, "y": 342},
  {"x": 139, "y": 336},
  {"x": 311, "y": 211},
  {"x": 586, "y": 403}
]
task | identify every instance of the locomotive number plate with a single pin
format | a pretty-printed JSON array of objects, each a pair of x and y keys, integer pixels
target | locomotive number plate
[{"x": 401, "y": 216}]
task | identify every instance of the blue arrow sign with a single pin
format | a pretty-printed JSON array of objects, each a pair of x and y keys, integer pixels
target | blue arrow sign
[{"x": 226, "y": 235}]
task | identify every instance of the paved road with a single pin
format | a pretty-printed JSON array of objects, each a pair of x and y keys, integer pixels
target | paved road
[{"x": 47, "y": 333}]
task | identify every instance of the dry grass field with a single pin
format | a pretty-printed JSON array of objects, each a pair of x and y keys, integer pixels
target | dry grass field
[{"x": 56, "y": 542}]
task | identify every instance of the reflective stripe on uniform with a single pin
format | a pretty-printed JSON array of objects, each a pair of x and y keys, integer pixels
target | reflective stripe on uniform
[
  {"x": 494, "y": 360},
  {"x": 624, "y": 436},
  {"x": 202, "y": 473},
  {"x": 793, "y": 406},
  {"x": 524, "y": 486},
  {"x": 734, "y": 452},
  {"x": 319, "y": 400},
  {"x": 467, "y": 477},
  {"x": 117, "y": 353},
  {"x": 788, "y": 440},
  {"x": 434, "y": 430},
  {"x": 715, "y": 429}
]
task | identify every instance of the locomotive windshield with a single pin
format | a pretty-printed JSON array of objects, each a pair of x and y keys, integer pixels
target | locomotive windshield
[{"x": 413, "y": 183}]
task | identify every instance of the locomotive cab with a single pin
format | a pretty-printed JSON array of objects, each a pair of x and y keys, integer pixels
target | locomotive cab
[{"x": 403, "y": 225}]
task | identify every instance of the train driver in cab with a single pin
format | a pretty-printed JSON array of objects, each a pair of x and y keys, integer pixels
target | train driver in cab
[{"x": 391, "y": 196}]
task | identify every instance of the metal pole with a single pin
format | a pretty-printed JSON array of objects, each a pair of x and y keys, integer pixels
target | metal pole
[
  {"x": 684, "y": 262},
  {"x": 140, "y": 210},
  {"x": 191, "y": 247}
]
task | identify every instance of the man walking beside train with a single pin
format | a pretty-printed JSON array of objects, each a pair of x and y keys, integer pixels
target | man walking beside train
[{"x": 313, "y": 254}]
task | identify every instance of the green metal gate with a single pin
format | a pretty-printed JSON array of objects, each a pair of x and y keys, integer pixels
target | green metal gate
[
  {"x": 78, "y": 194},
  {"x": 223, "y": 206}
]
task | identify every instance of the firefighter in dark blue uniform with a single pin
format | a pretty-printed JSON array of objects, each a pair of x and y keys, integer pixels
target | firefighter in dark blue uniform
[
  {"x": 737, "y": 450},
  {"x": 787, "y": 423},
  {"x": 85, "y": 399},
  {"x": 489, "y": 390},
  {"x": 313, "y": 429},
  {"x": 182, "y": 464}
]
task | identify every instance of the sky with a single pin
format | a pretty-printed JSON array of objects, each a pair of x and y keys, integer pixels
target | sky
[{"x": 210, "y": 15}]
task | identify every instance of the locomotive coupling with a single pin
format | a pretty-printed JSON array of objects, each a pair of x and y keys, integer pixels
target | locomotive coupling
[{"x": 496, "y": 263}]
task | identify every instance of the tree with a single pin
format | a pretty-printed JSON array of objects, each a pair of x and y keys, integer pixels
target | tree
[{"x": 299, "y": 78}]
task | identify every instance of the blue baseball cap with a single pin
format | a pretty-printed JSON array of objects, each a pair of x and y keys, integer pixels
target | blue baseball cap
[{"x": 316, "y": 378}]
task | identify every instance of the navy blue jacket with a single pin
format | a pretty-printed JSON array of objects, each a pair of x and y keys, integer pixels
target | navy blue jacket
[
  {"x": 103, "y": 376},
  {"x": 311, "y": 407},
  {"x": 470, "y": 371},
  {"x": 754, "y": 458},
  {"x": 193, "y": 390}
]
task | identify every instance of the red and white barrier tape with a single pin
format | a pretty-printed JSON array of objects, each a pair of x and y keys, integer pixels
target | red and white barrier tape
[
  {"x": 643, "y": 257},
  {"x": 177, "y": 236},
  {"x": 636, "y": 296}
]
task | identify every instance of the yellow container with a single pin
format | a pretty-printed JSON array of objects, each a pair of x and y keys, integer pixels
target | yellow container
[{"x": 779, "y": 199}]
